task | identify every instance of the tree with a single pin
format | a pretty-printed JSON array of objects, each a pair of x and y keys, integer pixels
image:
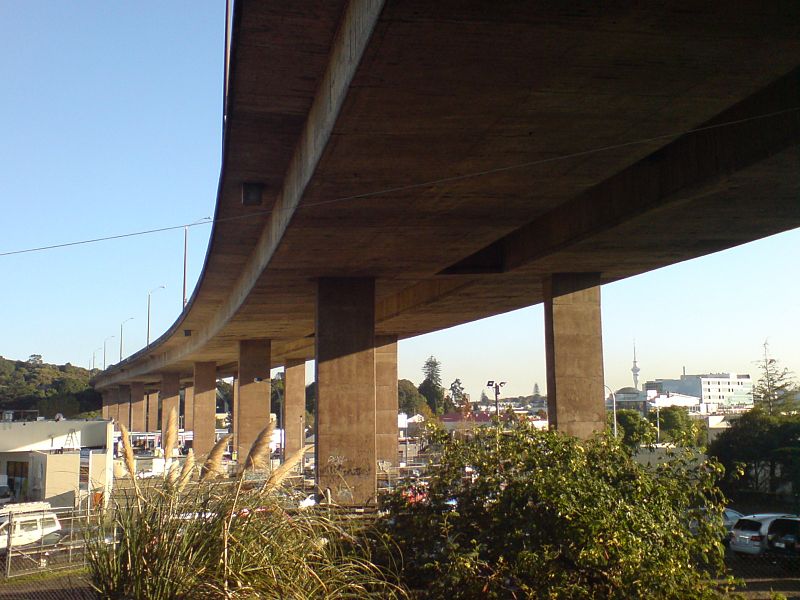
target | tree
[
  {"x": 634, "y": 428},
  {"x": 410, "y": 401},
  {"x": 540, "y": 514},
  {"x": 484, "y": 398},
  {"x": 675, "y": 424},
  {"x": 776, "y": 391},
  {"x": 432, "y": 369},
  {"x": 457, "y": 393},
  {"x": 435, "y": 397},
  {"x": 759, "y": 451}
]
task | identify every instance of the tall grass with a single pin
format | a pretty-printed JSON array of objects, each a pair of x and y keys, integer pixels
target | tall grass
[{"x": 229, "y": 539}]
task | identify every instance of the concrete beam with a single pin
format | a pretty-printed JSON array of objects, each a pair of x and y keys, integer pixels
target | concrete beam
[
  {"x": 345, "y": 351},
  {"x": 756, "y": 128},
  {"x": 204, "y": 406},
  {"x": 357, "y": 22},
  {"x": 294, "y": 406},
  {"x": 574, "y": 353},
  {"x": 254, "y": 393},
  {"x": 169, "y": 396},
  {"x": 138, "y": 407},
  {"x": 386, "y": 402}
]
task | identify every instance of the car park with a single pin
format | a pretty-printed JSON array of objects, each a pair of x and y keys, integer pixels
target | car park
[{"x": 750, "y": 533}]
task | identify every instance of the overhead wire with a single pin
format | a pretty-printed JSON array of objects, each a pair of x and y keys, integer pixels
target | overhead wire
[{"x": 412, "y": 186}]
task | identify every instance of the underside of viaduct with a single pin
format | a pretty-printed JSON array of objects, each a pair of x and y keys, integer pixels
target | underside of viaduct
[{"x": 395, "y": 168}]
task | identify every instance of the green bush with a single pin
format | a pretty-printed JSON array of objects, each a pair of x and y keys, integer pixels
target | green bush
[{"x": 537, "y": 514}]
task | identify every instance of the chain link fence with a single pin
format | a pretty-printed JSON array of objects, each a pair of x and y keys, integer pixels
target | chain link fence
[{"x": 35, "y": 539}]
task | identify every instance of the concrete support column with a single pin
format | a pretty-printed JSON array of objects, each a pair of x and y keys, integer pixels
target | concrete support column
[
  {"x": 169, "y": 396},
  {"x": 138, "y": 407},
  {"x": 574, "y": 350},
  {"x": 113, "y": 405},
  {"x": 205, "y": 407},
  {"x": 106, "y": 396},
  {"x": 125, "y": 405},
  {"x": 152, "y": 411},
  {"x": 386, "y": 402},
  {"x": 188, "y": 407},
  {"x": 345, "y": 374},
  {"x": 254, "y": 393},
  {"x": 294, "y": 406}
]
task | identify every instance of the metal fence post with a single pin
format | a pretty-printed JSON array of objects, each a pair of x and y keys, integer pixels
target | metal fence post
[{"x": 8, "y": 543}]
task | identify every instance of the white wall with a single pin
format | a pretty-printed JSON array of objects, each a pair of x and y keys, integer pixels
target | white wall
[{"x": 24, "y": 436}]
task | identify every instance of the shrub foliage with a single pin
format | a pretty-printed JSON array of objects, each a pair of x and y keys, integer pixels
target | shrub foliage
[{"x": 537, "y": 514}]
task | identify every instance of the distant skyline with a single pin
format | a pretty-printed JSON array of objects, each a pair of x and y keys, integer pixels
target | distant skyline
[{"x": 111, "y": 120}]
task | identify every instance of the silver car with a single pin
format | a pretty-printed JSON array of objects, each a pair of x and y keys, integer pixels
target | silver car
[{"x": 749, "y": 535}]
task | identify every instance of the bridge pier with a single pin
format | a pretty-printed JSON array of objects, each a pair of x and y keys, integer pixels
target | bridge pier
[
  {"x": 138, "y": 406},
  {"x": 169, "y": 394},
  {"x": 294, "y": 406},
  {"x": 386, "y": 401},
  {"x": 345, "y": 374},
  {"x": 252, "y": 409},
  {"x": 152, "y": 411},
  {"x": 106, "y": 400},
  {"x": 188, "y": 406},
  {"x": 574, "y": 353},
  {"x": 203, "y": 407}
]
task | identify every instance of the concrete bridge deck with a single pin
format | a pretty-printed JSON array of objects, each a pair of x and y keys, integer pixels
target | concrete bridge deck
[{"x": 458, "y": 155}]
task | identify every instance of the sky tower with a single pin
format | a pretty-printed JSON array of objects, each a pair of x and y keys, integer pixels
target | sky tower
[{"x": 635, "y": 368}]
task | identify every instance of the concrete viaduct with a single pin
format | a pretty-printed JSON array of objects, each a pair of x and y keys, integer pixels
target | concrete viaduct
[{"x": 395, "y": 168}]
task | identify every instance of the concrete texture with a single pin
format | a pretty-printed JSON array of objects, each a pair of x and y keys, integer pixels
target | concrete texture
[
  {"x": 386, "y": 401},
  {"x": 254, "y": 393},
  {"x": 152, "y": 411},
  {"x": 294, "y": 405},
  {"x": 574, "y": 353},
  {"x": 346, "y": 450},
  {"x": 205, "y": 404},
  {"x": 169, "y": 395},
  {"x": 138, "y": 407},
  {"x": 188, "y": 407}
]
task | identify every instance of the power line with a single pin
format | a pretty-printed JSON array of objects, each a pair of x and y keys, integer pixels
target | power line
[{"x": 412, "y": 186}]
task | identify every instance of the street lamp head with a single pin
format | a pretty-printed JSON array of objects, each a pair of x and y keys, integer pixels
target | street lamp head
[{"x": 490, "y": 383}]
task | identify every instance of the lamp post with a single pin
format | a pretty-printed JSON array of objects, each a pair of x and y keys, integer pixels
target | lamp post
[
  {"x": 120, "y": 336},
  {"x": 111, "y": 337},
  {"x": 93, "y": 356},
  {"x": 496, "y": 385},
  {"x": 614, "y": 408},
  {"x": 161, "y": 287}
]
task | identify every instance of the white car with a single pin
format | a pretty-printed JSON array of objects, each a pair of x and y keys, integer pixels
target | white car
[
  {"x": 32, "y": 523},
  {"x": 749, "y": 534}
]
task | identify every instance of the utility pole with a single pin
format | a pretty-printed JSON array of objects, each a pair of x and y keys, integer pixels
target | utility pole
[{"x": 496, "y": 385}]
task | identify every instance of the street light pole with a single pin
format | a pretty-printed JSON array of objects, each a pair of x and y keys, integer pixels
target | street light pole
[
  {"x": 111, "y": 337},
  {"x": 161, "y": 287},
  {"x": 496, "y": 385},
  {"x": 614, "y": 408},
  {"x": 93, "y": 356},
  {"x": 120, "y": 336}
]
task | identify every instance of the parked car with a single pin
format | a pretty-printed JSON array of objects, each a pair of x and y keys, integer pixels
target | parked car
[
  {"x": 730, "y": 517},
  {"x": 749, "y": 534},
  {"x": 783, "y": 537},
  {"x": 32, "y": 523}
]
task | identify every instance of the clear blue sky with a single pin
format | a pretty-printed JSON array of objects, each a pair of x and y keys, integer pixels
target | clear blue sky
[{"x": 111, "y": 123}]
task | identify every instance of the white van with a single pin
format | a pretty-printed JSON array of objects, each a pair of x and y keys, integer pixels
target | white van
[{"x": 32, "y": 522}]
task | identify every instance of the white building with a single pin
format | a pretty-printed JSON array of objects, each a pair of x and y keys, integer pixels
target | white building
[
  {"x": 730, "y": 392},
  {"x": 67, "y": 463}
]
